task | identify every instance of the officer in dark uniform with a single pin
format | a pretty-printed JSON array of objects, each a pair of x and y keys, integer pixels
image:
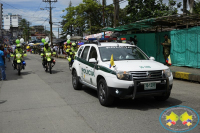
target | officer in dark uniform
[{"x": 166, "y": 47}]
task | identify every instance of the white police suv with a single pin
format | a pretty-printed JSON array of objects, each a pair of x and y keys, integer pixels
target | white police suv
[{"x": 133, "y": 75}]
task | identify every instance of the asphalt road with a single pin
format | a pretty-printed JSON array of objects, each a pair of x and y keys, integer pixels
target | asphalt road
[{"x": 39, "y": 102}]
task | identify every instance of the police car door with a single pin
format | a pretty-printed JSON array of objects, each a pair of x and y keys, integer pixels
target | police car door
[
  {"x": 91, "y": 67},
  {"x": 83, "y": 62}
]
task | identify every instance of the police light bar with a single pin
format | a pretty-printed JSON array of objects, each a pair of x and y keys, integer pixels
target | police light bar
[{"x": 123, "y": 39}]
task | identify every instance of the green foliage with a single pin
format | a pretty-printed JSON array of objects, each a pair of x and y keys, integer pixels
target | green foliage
[
  {"x": 87, "y": 17},
  {"x": 197, "y": 7},
  {"x": 144, "y": 9},
  {"x": 23, "y": 25}
]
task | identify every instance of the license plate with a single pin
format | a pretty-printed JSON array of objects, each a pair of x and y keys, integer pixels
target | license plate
[{"x": 149, "y": 86}]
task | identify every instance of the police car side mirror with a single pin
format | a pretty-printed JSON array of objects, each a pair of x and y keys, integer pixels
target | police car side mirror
[
  {"x": 92, "y": 60},
  {"x": 152, "y": 58}
]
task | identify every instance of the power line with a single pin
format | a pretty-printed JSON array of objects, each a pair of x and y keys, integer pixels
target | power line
[
  {"x": 40, "y": 17},
  {"x": 37, "y": 8},
  {"x": 45, "y": 20}
]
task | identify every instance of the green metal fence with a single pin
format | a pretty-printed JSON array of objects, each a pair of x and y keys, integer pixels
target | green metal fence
[{"x": 185, "y": 46}]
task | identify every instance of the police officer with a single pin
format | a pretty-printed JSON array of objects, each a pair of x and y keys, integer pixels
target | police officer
[
  {"x": 18, "y": 50},
  {"x": 166, "y": 47},
  {"x": 74, "y": 47},
  {"x": 45, "y": 50},
  {"x": 68, "y": 48},
  {"x": 72, "y": 51}
]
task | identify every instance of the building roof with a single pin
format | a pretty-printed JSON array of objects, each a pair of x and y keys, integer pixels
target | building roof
[{"x": 165, "y": 23}]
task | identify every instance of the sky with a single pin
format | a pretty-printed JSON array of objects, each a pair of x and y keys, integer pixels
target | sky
[{"x": 30, "y": 10}]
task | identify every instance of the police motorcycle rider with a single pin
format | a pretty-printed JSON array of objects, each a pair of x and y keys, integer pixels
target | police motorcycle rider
[
  {"x": 72, "y": 53},
  {"x": 18, "y": 50},
  {"x": 68, "y": 48},
  {"x": 46, "y": 50}
]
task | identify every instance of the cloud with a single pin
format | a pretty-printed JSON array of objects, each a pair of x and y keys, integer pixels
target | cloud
[
  {"x": 16, "y": 1},
  {"x": 74, "y": 2}
]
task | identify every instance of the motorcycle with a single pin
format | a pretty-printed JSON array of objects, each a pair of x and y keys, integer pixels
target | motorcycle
[
  {"x": 20, "y": 64},
  {"x": 48, "y": 61}
]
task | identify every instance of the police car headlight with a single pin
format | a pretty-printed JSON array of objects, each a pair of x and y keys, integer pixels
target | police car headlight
[
  {"x": 123, "y": 75},
  {"x": 167, "y": 72}
]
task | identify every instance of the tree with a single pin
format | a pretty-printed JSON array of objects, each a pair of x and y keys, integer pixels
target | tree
[
  {"x": 144, "y": 9},
  {"x": 87, "y": 17},
  {"x": 197, "y": 7},
  {"x": 23, "y": 25},
  {"x": 116, "y": 12},
  {"x": 191, "y": 4}
]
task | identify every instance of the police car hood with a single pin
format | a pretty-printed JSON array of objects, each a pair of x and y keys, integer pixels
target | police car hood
[{"x": 137, "y": 65}]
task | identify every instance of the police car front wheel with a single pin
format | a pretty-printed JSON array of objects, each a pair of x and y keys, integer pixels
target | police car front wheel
[
  {"x": 163, "y": 97},
  {"x": 105, "y": 98},
  {"x": 75, "y": 81}
]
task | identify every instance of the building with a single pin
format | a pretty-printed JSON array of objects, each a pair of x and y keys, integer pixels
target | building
[
  {"x": 37, "y": 36},
  {"x": 37, "y": 29},
  {"x": 11, "y": 21},
  {"x": 1, "y": 22}
]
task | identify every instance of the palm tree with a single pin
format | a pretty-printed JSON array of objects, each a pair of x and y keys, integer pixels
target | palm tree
[
  {"x": 191, "y": 4},
  {"x": 116, "y": 12}
]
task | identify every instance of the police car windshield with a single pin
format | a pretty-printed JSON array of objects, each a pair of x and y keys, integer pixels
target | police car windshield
[{"x": 121, "y": 53}]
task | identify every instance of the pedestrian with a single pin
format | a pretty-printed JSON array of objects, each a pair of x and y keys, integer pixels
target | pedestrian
[
  {"x": 61, "y": 50},
  {"x": 2, "y": 63},
  {"x": 166, "y": 47},
  {"x": 5, "y": 51},
  {"x": 34, "y": 49},
  {"x": 135, "y": 40},
  {"x": 41, "y": 50},
  {"x": 8, "y": 54}
]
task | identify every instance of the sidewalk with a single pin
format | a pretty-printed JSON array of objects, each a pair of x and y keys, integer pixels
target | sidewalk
[{"x": 186, "y": 73}]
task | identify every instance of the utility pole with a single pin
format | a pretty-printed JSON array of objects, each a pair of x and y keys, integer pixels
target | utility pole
[
  {"x": 103, "y": 18},
  {"x": 45, "y": 30},
  {"x": 58, "y": 32},
  {"x": 50, "y": 21},
  {"x": 28, "y": 32}
]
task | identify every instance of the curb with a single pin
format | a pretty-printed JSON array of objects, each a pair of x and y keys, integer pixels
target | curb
[{"x": 186, "y": 76}]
